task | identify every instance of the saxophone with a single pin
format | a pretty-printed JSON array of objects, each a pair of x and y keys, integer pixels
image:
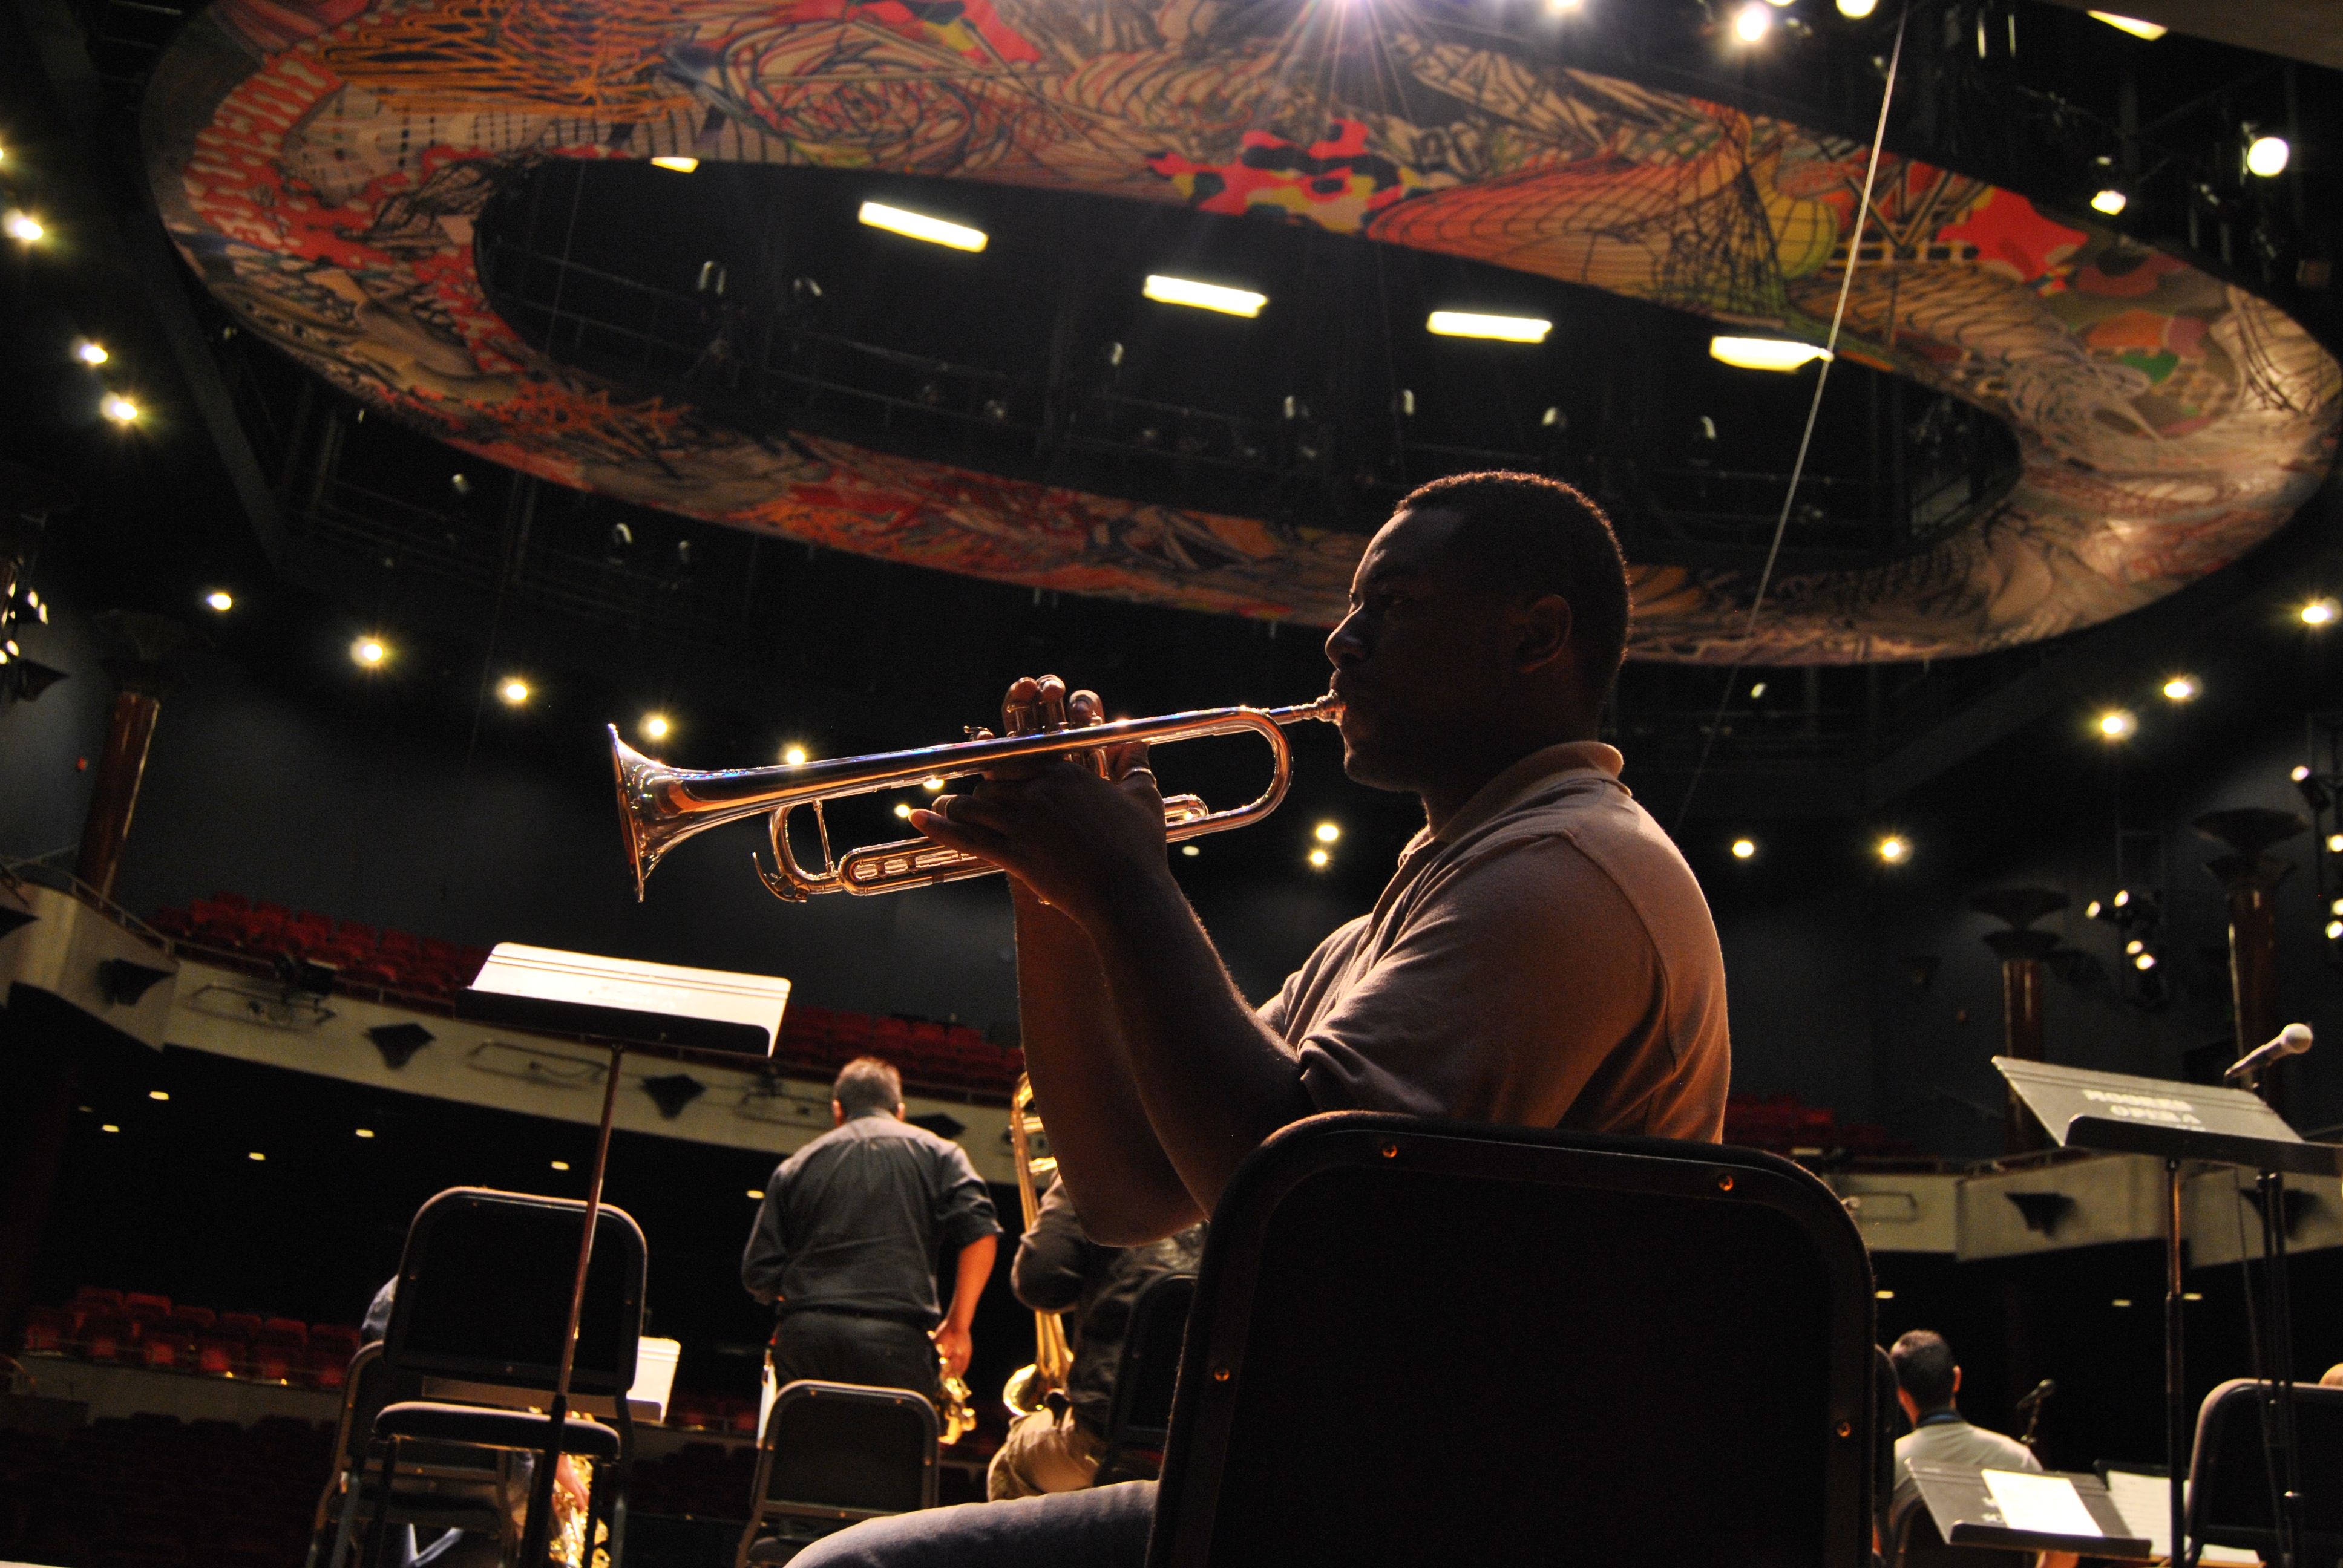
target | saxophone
[{"x": 1030, "y": 1387}]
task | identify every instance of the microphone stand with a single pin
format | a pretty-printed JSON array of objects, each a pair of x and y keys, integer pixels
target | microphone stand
[{"x": 2278, "y": 1335}]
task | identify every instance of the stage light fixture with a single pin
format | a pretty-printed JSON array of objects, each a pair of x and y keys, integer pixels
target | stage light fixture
[
  {"x": 118, "y": 408},
  {"x": 2143, "y": 961},
  {"x": 1327, "y": 833},
  {"x": 2335, "y": 930},
  {"x": 1763, "y": 353},
  {"x": 365, "y": 1132},
  {"x": 1476, "y": 324},
  {"x": 2134, "y": 947},
  {"x": 932, "y": 786},
  {"x": 158, "y": 1094},
  {"x": 903, "y": 809},
  {"x": 1750, "y": 23},
  {"x": 514, "y": 691},
  {"x": 1165, "y": 290},
  {"x": 109, "y": 1126},
  {"x": 2109, "y": 202},
  {"x": 1856, "y": 10},
  {"x": 219, "y": 599},
  {"x": 1190, "y": 850},
  {"x": 2320, "y": 612},
  {"x": 2118, "y": 724},
  {"x": 1319, "y": 860},
  {"x": 656, "y": 725},
  {"x": 1894, "y": 849},
  {"x": 676, "y": 164},
  {"x": 2094, "y": 909},
  {"x": 2335, "y": 843},
  {"x": 794, "y": 756},
  {"x": 2151, "y": 31},
  {"x": 757, "y": 1194},
  {"x": 2336, "y": 908},
  {"x": 370, "y": 652},
  {"x": 918, "y": 226},
  {"x": 23, "y": 226},
  {"x": 90, "y": 353},
  {"x": 2266, "y": 156},
  {"x": 1743, "y": 849},
  {"x": 255, "y": 1154},
  {"x": 2312, "y": 789},
  {"x": 2181, "y": 688},
  {"x": 561, "y": 1164}
]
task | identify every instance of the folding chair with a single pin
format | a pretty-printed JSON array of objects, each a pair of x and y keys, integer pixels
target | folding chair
[
  {"x": 835, "y": 1453},
  {"x": 1419, "y": 1342},
  {"x": 1139, "y": 1417},
  {"x": 449, "y": 1488},
  {"x": 2229, "y": 1482},
  {"x": 475, "y": 1328}
]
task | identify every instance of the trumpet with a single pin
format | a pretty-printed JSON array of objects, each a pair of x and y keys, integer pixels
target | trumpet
[{"x": 660, "y": 807}]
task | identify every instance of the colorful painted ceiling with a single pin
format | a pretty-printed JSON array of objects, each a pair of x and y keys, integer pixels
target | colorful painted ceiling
[{"x": 321, "y": 163}]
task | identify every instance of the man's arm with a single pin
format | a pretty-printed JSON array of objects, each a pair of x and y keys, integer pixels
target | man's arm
[
  {"x": 767, "y": 1253},
  {"x": 1046, "y": 1272},
  {"x": 974, "y": 1268}
]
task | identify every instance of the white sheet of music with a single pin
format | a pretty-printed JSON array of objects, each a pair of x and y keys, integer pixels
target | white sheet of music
[
  {"x": 2145, "y": 1503},
  {"x": 2044, "y": 1503}
]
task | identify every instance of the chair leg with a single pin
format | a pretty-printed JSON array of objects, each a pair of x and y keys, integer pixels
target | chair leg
[
  {"x": 350, "y": 1513},
  {"x": 379, "y": 1543}
]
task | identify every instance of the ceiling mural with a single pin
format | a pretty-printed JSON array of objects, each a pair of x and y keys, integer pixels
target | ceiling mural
[{"x": 320, "y": 163}]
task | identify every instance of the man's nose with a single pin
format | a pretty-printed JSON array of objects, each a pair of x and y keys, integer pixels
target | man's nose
[{"x": 1344, "y": 645}]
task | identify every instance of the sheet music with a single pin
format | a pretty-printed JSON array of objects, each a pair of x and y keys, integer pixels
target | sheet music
[
  {"x": 2047, "y": 1504},
  {"x": 2145, "y": 1504}
]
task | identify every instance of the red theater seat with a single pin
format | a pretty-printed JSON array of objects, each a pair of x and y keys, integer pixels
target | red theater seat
[
  {"x": 230, "y": 900},
  {"x": 142, "y": 1307},
  {"x": 48, "y": 1330},
  {"x": 106, "y": 1336}
]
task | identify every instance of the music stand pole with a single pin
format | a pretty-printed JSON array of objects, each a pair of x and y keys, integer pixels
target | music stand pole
[
  {"x": 536, "y": 1532},
  {"x": 2278, "y": 1354},
  {"x": 2176, "y": 1387}
]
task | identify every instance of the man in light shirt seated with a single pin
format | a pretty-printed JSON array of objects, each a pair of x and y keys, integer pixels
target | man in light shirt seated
[{"x": 1927, "y": 1380}]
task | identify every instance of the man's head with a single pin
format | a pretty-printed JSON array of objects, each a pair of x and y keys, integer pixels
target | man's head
[
  {"x": 1927, "y": 1378},
  {"x": 866, "y": 1087},
  {"x": 1487, "y": 617}
]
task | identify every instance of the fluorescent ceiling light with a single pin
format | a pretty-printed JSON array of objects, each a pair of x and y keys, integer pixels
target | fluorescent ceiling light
[
  {"x": 918, "y": 226},
  {"x": 1505, "y": 328},
  {"x": 1764, "y": 353},
  {"x": 2151, "y": 31},
  {"x": 1203, "y": 295},
  {"x": 682, "y": 165}
]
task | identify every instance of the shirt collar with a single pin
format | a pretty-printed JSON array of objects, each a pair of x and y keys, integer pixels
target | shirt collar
[
  {"x": 1509, "y": 786},
  {"x": 1941, "y": 1418}
]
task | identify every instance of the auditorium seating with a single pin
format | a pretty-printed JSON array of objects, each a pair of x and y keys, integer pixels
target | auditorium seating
[
  {"x": 137, "y": 1329},
  {"x": 1783, "y": 1124}
]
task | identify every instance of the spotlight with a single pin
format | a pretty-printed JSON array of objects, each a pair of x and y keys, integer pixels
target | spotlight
[
  {"x": 794, "y": 756},
  {"x": 2094, "y": 909},
  {"x": 655, "y": 727},
  {"x": 2151, "y": 31},
  {"x": 757, "y": 1193},
  {"x": 514, "y": 691},
  {"x": 460, "y": 483},
  {"x": 2313, "y": 789},
  {"x": 2110, "y": 203},
  {"x": 365, "y": 1132},
  {"x": 158, "y": 1094},
  {"x": 1749, "y": 23},
  {"x": 2335, "y": 843},
  {"x": 2336, "y": 908},
  {"x": 1190, "y": 850},
  {"x": 2143, "y": 961},
  {"x": 2118, "y": 724},
  {"x": 1894, "y": 849},
  {"x": 1319, "y": 860},
  {"x": 1327, "y": 833},
  {"x": 220, "y": 599},
  {"x": 561, "y": 1164},
  {"x": 1856, "y": 10},
  {"x": 932, "y": 786},
  {"x": 369, "y": 652},
  {"x": 1743, "y": 848},
  {"x": 22, "y": 226},
  {"x": 918, "y": 226},
  {"x": 2266, "y": 156},
  {"x": 1756, "y": 691},
  {"x": 2181, "y": 688},
  {"x": 90, "y": 353},
  {"x": 109, "y": 1126},
  {"x": 902, "y": 809},
  {"x": 2335, "y": 930},
  {"x": 1565, "y": 7},
  {"x": 118, "y": 408},
  {"x": 1472, "y": 324},
  {"x": 255, "y": 1154},
  {"x": 1763, "y": 353},
  {"x": 2320, "y": 612},
  {"x": 1202, "y": 295},
  {"x": 682, "y": 165}
]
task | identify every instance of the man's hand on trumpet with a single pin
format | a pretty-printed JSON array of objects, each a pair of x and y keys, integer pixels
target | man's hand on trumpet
[{"x": 1081, "y": 837}]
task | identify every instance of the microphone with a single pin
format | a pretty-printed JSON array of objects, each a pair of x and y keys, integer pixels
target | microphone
[
  {"x": 2042, "y": 1391},
  {"x": 2292, "y": 1041}
]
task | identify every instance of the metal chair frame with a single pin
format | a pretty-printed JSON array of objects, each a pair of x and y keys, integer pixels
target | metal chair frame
[
  {"x": 1134, "y": 1437},
  {"x": 345, "y": 1499},
  {"x": 806, "y": 1391}
]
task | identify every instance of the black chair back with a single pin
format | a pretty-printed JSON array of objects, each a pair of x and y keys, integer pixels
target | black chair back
[
  {"x": 484, "y": 1293},
  {"x": 840, "y": 1450},
  {"x": 1139, "y": 1419},
  {"x": 1420, "y": 1342},
  {"x": 2229, "y": 1478}
]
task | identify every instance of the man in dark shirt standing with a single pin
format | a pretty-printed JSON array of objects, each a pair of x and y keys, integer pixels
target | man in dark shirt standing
[
  {"x": 846, "y": 1243},
  {"x": 1057, "y": 1269}
]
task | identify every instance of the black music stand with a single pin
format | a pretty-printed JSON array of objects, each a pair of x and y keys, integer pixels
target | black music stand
[
  {"x": 1967, "y": 1512},
  {"x": 2116, "y": 1113},
  {"x": 615, "y": 1003}
]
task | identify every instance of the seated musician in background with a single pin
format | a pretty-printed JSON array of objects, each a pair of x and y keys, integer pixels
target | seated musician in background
[
  {"x": 1542, "y": 956},
  {"x": 1927, "y": 1379},
  {"x": 846, "y": 1241},
  {"x": 1057, "y": 1269}
]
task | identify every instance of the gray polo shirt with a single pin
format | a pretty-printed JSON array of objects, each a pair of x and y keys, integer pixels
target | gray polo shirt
[
  {"x": 1955, "y": 1441},
  {"x": 1546, "y": 960}
]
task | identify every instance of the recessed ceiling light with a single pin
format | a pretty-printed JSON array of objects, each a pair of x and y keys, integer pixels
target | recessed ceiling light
[
  {"x": 1166, "y": 290},
  {"x": 794, "y": 756},
  {"x": 1320, "y": 859},
  {"x": 757, "y": 1193},
  {"x": 90, "y": 353},
  {"x": 655, "y": 727},
  {"x": 2110, "y": 202},
  {"x": 220, "y": 599},
  {"x": 513, "y": 690},
  {"x": 561, "y": 1164},
  {"x": 1474, "y": 324},
  {"x": 370, "y": 651},
  {"x": 920, "y": 225},
  {"x": 1894, "y": 849},
  {"x": 2267, "y": 156},
  {"x": 2181, "y": 688},
  {"x": 1743, "y": 848},
  {"x": 23, "y": 227},
  {"x": 366, "y": 1132},
  {"x": 255, "y": 1154},
  {"x": 1327, "y": 833},
  {"x": 1764, "y": 353},
  {"x": 158, "y": 1094},
  {"x": 2151, "y": 31},
  {"x": 682, "y": 165},
  {"x": 118, "y": 408}
]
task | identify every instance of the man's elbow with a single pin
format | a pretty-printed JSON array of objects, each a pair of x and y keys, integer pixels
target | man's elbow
[{"x": 1136, "y": 1224}]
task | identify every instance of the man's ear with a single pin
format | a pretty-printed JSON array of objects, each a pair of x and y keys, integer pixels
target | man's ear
[{"x": 1545, "y": 633}]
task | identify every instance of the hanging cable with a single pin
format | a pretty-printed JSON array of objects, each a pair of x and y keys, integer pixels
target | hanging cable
[{"x": 1813, "y": 411}]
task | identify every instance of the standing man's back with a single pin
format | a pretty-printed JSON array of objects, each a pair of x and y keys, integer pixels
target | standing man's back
[{"x": 846, "y": 1240}]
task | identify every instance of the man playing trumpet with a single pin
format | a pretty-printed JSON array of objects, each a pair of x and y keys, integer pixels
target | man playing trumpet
[{"x": 1542, "y": 956}]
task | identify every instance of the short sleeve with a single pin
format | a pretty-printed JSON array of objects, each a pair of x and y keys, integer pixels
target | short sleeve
[
  {"x": 1052, "y": 1258},
  {"x": 1502, "y": 991},
  {"x": 963, "y": 1202}
]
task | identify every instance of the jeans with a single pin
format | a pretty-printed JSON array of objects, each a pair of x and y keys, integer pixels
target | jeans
[
  {"x": 841, "y": 1347},
  {"x": 1104, "y": 1527}
]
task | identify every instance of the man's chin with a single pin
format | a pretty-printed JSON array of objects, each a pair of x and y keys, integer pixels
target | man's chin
[{"x": 1364, "y": 765}]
